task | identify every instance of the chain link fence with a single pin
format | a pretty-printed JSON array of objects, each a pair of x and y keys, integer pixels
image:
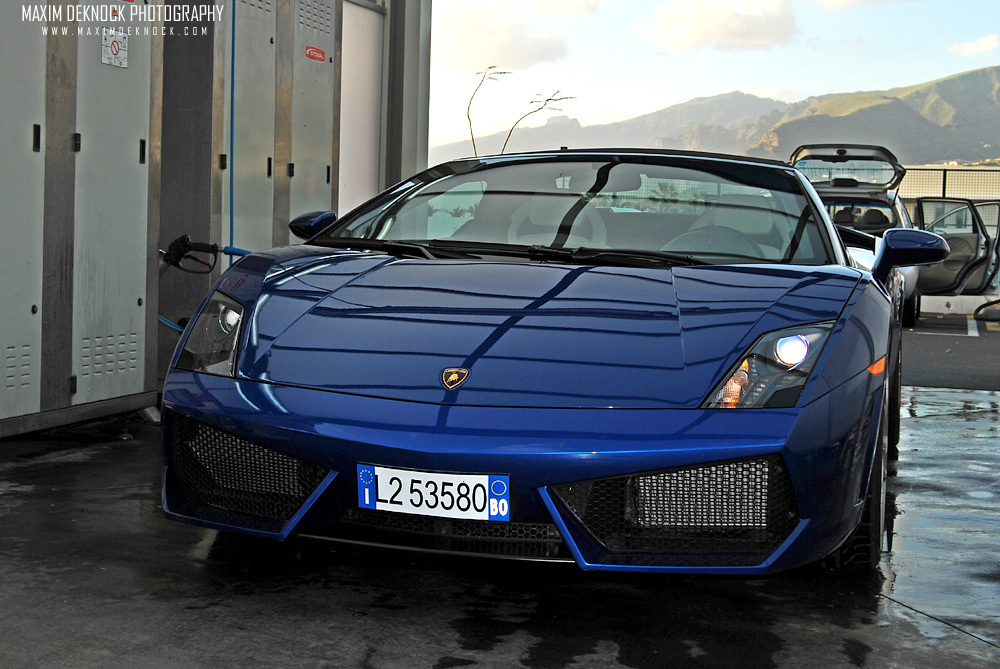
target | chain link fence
[{"x": 972, "y": 183}]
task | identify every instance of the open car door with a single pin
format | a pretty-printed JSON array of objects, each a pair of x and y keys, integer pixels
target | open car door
[{"x": 971, "y": 231}]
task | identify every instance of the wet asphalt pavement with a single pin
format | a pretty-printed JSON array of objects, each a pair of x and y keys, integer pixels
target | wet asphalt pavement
[
  {"x": 949, "y": 351},
  {"x": 91, "y": 574}
]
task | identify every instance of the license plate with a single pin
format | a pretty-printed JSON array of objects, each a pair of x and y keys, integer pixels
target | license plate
[{"x": 468, "y": 496}]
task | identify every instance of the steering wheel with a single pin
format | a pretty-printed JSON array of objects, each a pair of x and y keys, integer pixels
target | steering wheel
[{"x": 715, "y": 240}]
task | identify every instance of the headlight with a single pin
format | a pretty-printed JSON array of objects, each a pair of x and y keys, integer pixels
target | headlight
[
  {"x": 774, "y": 372},
  {"x": 212, "y": 345}
]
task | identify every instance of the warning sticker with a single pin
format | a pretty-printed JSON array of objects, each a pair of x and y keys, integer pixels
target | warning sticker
[{"x": 114, "y": 47}]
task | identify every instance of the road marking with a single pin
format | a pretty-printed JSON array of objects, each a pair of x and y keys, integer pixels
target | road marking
[{"x": 972, "y": 329}]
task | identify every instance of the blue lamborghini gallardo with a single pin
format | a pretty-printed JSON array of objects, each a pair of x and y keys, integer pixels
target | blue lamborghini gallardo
[{"x": 634, "y": 360}]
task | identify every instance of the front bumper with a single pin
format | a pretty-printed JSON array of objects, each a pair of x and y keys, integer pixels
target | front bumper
[{"x": 760, "y": 490}]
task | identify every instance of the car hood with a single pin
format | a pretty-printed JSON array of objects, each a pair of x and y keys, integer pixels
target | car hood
[{"x": 530, "y": 334}]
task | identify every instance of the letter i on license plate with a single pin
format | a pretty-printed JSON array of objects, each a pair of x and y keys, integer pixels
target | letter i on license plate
[{"x": 470, "y": 496}]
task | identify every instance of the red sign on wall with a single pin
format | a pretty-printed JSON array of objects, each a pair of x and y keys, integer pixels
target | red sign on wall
[{"x": 314, "y": 53}]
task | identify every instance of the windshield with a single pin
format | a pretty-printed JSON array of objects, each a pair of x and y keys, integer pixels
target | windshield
[
  {"x": 711, "y": 210},
  {"x": 822, "y": 172}
]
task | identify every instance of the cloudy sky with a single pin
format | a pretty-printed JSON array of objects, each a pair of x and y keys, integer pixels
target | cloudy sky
[{"x": 622, "y": 58}]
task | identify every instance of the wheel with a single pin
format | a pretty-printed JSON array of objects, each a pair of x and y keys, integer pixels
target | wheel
[
  {"x": 862, "y": 551},
  {"x": 911, "y": 310},
  {"x": 716, "y": 240}
]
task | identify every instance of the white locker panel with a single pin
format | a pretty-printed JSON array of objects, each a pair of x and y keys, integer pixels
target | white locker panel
[
  {"x": 312, "y": 106},
  {"x": 109, "y": 258},
  {"x": 361, "y": 105},
  {"x": 252, "y": 103},
  {"x": 22, "y": 171}
]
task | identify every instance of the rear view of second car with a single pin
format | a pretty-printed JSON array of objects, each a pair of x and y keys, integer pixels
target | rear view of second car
[{"x": 858, "y": 183}]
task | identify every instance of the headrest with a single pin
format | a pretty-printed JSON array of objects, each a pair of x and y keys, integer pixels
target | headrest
[
  {"x": 750, "y": 214},
  {"x": 874, "y": 217},
  {"x": 550, "y": 209},
  {"x": 844, "y": 217}
]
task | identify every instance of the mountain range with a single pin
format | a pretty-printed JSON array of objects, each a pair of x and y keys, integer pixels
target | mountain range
[{"x": 952, "y": 119}]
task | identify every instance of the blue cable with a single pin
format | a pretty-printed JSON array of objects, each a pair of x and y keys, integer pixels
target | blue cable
[
  {"x": 170, "y": 324},
  {"x": 232, "y": 123},
  {"x": 228, "y": 250}
]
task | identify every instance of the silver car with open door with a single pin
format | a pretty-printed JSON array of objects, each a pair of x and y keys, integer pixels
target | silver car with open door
[
  {"x": 971, "y": 230},
  {"x": 858, "y": 183}
]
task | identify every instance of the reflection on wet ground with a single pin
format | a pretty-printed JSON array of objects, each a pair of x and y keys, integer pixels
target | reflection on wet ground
[
  {"x": 92, "y": 575},
  {"x": 948, "y": 499}
]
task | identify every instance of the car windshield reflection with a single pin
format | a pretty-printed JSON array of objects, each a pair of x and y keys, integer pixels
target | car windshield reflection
[{"x": 721, "y": 213}]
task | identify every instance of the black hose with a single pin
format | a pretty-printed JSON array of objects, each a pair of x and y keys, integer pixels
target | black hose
[{"x": 984, "y": 307}]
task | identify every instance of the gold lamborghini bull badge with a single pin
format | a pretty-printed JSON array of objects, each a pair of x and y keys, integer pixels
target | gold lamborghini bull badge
[{"x": 453, "y": 377}]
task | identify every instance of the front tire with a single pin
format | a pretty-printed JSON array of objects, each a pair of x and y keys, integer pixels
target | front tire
[
  {"x": 862, "y": 551},
  {"x": 895, "y": 410}
]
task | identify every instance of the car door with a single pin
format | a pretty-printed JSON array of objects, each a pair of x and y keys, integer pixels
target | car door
[
  {"x": 989, "y": 214},
  {"x": 971, "y": 231}
]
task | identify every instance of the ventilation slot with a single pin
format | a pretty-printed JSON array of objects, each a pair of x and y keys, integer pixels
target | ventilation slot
[
  {"x": 110, "y": 354},
  {"x": 317, "y": 15},
  {"x": 263, "y": 5},
  {"x": 17, "y": 367}
]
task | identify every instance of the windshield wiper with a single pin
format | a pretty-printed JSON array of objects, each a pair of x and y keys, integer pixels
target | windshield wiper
[
  {"x": 394, "y": 247},
  {"x": 583, "y": 254},
  {"x": 437, "y": 248},
  {"x": 626, "y": 257}
]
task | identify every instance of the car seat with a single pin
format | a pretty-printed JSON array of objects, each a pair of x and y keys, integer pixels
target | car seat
[
  {"x": 546, "y": 211},
  {"x": 873, "y": 220}
]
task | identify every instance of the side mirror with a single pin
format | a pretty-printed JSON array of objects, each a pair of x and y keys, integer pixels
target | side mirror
[
  {"x": 309, "y": 225},
  {"x": 905, "y": 247}
]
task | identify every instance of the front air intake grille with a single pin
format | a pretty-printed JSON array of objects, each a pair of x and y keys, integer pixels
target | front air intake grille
[
  {"x": 525, "y": 540},
  {"x": 724, "y": 513},
  {"x": 223, "y": 471}
]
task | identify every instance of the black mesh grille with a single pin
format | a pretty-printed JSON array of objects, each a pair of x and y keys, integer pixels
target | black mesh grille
[
  {"x": 218, "y": 469},
  {"x": 531, "y": 540},
  {"x": 726, "y": 513}
]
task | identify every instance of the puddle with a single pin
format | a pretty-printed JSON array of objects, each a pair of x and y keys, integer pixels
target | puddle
[{"x": 921, "y": 402}]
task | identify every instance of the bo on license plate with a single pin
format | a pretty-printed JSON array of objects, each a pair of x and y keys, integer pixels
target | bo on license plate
[{"x": 471, "y": 496}]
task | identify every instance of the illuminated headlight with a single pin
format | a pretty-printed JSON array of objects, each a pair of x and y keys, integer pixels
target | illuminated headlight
[
  {"x": 212, "y": 345},
  {"x": 774, "y": 371},
  {"x": 791, "y": 351}
]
